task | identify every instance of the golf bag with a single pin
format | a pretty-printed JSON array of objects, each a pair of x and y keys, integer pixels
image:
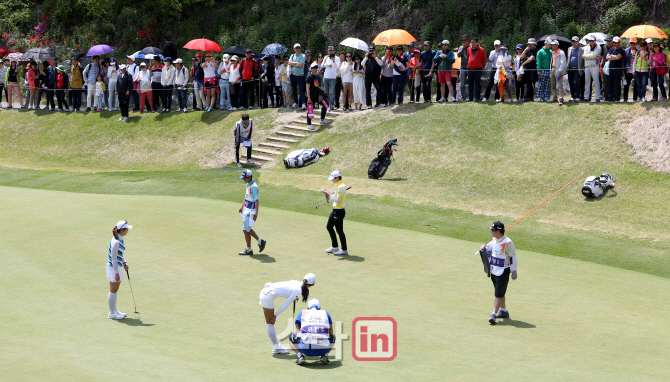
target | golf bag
[
  {"x": 594, "y": 186},
  {"x": 305, "y": 157},
  {"x": 379, "y": 165}
]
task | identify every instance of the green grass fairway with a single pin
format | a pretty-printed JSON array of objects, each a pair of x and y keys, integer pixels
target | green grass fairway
[{"x": 200, "y": 319}]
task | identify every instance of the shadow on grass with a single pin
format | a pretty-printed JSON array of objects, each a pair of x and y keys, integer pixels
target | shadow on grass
[
  {"x": 516, "y": 324},
  {"x": 357, "y": 259},
  {"x": 264, "y": 258},
  {"x": 312, "y": 362},
  {"x": 409, "y": 108},
  {"x": 610, "y": 193},
  {"x": 133, "y": 322}
]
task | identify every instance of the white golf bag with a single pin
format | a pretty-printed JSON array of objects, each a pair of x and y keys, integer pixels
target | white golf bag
[
  {"x": 594, "y": 186},
  {"x": 304, "y": 157}
]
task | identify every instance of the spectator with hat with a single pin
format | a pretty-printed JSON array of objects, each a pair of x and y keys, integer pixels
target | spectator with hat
[
  {"x": 544, "y": 72},
  {"x": 493, "y": 58},
  {"x": 167, "y": 82},
  {"x": 518, "y": 73},
  {"x": 443, "y": 60},
  {"x": 61, "y": 88},
  {"x": 629, "y": 69},
  {"x": 503, "y": 74},
  {"x": 235, "y": 84},
  {"x": 286, "y": 71},
  {"x": 123, "y": 88},
  {"x": 658, "y": 70},
  {"x": 476, "y": 64},
  {"x": 605, "y": 89},
  {"x": 388, "y": 66},
  {"x": 399, "y": 75},
  {"x": 209, "y": 73},
  {"x": 224, "y": 83},
  {"x": 146, "y": 92},
  {"x": 156, "y": 85},
  {"x": 132, "y": 70},
  {"x": 575, "y": 69},
  {"x": 297, "y": 63},
  {"x": 415, "y": 66},
  {"x": 427, "y": 57},
  {"x": 347, "y": 76},
  {"x": 558, "y": 68},
  {"x": 181, "y": 76},
  {"x": 529, "y": 57},
  {"x": 90, "y": 76},
  {"x": 112, "y": 75},
  {"x": 438, "y": 92},
  {"x": 330, "y": 64},
  {"x": 267, "y": 78},
  {"x": 641, "y": 65},
  {"x": 373, "y": 68},
  {"x": 358, "y": 71},
  {"x": 616, "y": 57},
  {"x": 591, "y": 55}
]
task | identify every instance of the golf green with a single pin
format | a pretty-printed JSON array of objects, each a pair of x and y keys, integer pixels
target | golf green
[{"x": 200, "y": 318}]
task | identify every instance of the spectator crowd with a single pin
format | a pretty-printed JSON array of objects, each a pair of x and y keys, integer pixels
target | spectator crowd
[{"x": 538, "y": 71}]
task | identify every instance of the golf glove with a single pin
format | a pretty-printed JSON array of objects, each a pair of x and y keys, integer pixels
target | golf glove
[
  {"x": 514, "y": 275},
  {"x": 331, "y": 338}
]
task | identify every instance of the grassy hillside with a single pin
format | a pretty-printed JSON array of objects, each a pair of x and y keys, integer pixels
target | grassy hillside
[{"x": 461, "y": 166}]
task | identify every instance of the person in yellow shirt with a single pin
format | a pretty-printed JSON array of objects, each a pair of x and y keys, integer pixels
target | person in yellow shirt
[{"x": 336, "y": 219}]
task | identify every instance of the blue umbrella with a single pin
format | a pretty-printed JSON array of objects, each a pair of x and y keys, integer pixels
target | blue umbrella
[{"x": 274, "y": 49}]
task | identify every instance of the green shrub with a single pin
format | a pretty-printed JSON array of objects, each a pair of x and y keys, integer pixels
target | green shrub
[
  {"x": 565, "y": 16},
  {"x": 628, "y": 13}
]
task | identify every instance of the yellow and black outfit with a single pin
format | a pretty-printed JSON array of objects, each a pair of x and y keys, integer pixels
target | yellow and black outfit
[{"x": 336, "y": 219}]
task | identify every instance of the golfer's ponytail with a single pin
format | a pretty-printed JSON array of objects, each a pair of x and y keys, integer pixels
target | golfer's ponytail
[
  {"x": 115, "y": 233},
  {"x": 305, "y": 291}
]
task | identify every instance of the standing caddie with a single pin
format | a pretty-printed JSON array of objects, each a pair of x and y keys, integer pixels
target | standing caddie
[
  {"x": 243, "y": 130},
  {"x": 502, "y": 257},
  {"x": 336, "y": 219},
  {"x": 249, "y": 212}
]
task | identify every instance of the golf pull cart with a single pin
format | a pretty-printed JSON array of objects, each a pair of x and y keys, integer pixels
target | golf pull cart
[{"x": 385, "y": 157}]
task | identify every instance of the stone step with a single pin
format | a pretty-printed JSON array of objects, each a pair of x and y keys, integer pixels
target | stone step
[
  {"x": 262, "y": 158},
  {"x": 293, "y": 127},
  {"x": 277, "y": 139},
  {"x": 274, "y": 145},
  {"x": 266, "y": 151},
  {"x": 286, "y": 133}
]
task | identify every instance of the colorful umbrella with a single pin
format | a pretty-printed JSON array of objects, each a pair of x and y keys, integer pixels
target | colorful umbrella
[
  {"x": 355, "y": 43},
  {"x": 204, "y": 45},
  {"x": 274, "y": 49},
  {"x": 151, "y": 50},
  {"x": 644, "y": 31},
  {"x": 394, "y": 37},
  {"x": 15, "y": 57},
  {"x": 99, "y": 49}
]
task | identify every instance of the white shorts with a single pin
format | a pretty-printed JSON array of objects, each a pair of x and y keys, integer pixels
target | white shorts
[
  {"x": 111, "y": 276},
  {"x": 247, "y": 223},
  {"x": 267, "y": 298}
]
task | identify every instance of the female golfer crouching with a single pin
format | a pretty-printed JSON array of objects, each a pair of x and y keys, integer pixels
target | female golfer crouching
[
  {"x": 290, "y": 290},
  {"x": 115, "y": 263}
]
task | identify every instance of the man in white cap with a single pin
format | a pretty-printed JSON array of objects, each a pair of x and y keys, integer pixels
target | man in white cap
[
  {"x": 615, "y": 56},
  {"x": 298, "y": 70},
  {"x": 575, "y": 69},
  {"x": 543, "y": 59},
  {"x": 592, "y": 53},
  {"x": 493, "y": 58},
  {"x": 330, "y": 64},
  {"x": 558, "y": 67},
  {"x": 528, "y": 56},
  {"x": 224, "y": 83},
  {"x": 249, "y": 213},
  {"x": 313, "y": 335},
  {"x": 132, "y": 69},
  {"x": 336, "y": 219},
  {"x": 181, "y": 77},
  {"x": 502, "y": 258},
  {"x": 123, "y": 88}
]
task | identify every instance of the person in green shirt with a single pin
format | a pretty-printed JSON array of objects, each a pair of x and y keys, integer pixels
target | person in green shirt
[
  {"x": 544, "y": 72},
  {"x": 443, "y": 60}
]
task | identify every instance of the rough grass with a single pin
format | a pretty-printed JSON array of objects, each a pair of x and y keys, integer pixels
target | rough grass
[{"x": 649, "y": 136}]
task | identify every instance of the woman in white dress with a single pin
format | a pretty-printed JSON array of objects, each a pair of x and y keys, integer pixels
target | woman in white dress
[{"x": 359, "y": 83}]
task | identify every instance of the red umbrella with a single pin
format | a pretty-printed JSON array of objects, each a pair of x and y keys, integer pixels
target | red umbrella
[{"x": 204, "y": 45}]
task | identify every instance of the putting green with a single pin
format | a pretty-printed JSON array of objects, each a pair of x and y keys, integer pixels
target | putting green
[{"x": 200, "y": 318}]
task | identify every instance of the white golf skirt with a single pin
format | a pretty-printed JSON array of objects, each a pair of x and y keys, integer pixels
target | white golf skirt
[
  {"x": 111, "y": 276},
  {"x": 267, "y": 298}
]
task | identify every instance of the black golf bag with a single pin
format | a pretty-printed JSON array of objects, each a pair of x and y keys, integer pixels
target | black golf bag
[{"x": 379, "y": 165}]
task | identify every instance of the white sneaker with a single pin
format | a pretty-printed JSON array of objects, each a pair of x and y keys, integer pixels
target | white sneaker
[
  {"x": 442, "y": 100},
  {"x": 452, "y": 99},
  {"x": 310, "y": 127},
  {"x": 304, "y": 106},
  {"x": 110, "y": 109},
  {"x": 238, "y": 164},
  {"x": 120, "y": 118},
  {"x": 125, "y": 119},
  {"x": 340, "y": 253},
  {"x": 251, "y": 107},
  {"x": 121, "y": 313},
  {"x": 324, "y": 121},
  {"x": 250, "y": 161},
  {"x": 332, "y": 250},
  {"x": 115, "y": 316},
  {"x": 279, "y": 349}
]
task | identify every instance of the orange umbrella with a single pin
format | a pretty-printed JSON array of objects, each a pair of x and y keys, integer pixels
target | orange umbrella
[
  {"x": 644, "y": 31},
  {"x": 394, "y": 37}
]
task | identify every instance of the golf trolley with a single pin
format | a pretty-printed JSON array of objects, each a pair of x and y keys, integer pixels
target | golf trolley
[{"x": 380, "y": 165}]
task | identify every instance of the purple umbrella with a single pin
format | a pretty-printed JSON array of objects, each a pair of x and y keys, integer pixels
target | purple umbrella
[{"x": 99, "y": 49}]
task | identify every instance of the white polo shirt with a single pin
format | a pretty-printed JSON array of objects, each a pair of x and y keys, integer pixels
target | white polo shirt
[{"x": 503, "y": 255}]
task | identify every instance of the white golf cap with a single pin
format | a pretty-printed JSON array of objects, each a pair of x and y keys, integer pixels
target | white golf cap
[
  {"x": 123, "y": 224},
  {"x": 296, "y": 46},
  {"x": 310, "y": 279},
  {"x": 334, "y": 174},
  {"x": 122, "y": 66},
  {"x": 649, "y": 41},
  {"x": 178, "y": 61},
  {"x": 314, "y": 65},
  {"x": 226, "y": 56},
  {"x": 616, "y": 39},
  {"x": 313, "y": 303},
  {"x": 245, "y": 174},
  {"x": 496, "y": 42},
  {"x": 131, "y": 57}
]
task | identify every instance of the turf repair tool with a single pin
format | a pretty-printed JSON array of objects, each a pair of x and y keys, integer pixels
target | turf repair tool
[
  {"x": 131, "y": 291},
  {"x": 326, "y": 201}
]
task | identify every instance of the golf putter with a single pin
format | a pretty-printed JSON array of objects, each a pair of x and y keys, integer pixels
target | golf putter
[{"x": 131, "y": 291}]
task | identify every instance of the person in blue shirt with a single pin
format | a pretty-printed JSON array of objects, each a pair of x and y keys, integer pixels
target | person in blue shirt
[
  {"x": 427, "y": 57},
  {"x": 313, "y": 335}
]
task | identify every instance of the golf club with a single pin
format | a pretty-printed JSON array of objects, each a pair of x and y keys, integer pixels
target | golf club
[
  {"x": 131, "y": 291},
  {"x": 326, "y": 201}
]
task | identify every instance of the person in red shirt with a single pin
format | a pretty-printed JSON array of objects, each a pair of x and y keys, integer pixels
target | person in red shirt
[
  {"x": 476, "y": 63},
  {"x": 249, "y": 68}
]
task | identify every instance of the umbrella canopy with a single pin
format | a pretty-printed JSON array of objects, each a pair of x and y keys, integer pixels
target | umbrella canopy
[
  {"x": 202, "y": 44},
  {"x": 355, "y": 43},
  {"x": 394, "y": 37},
  {"x": 15, "y": 57},
  {"x": 99, "y": 49},
  {"x": 644, "y": 31},
  {"x": 152, "y": 56},
  {"x": 274, "y": 49},
  {"x": 137, "y": 55},
  {"x": 151, "y": 50},
  {"x": 39, "y": 54},
  {"x": 238, "y": 50},
  {"x": 600, "y": 38}
]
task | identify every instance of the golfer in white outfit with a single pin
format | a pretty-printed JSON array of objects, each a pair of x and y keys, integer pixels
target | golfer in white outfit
[
  {"x": 290, "y": 290},
  {"x": 116, "y": 263},
  {"x": 502, "y": 256}
]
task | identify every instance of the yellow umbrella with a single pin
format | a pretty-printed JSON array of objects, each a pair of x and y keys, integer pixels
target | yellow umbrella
[
  {"x": 394, "y": 37},
  {"x": 644, "y": 31}
]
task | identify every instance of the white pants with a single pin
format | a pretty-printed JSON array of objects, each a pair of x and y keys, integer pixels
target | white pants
[
  {"x": 90, "y": 95},
  {"x": 113, "y": 99},
  {"x": 592, "y": 72},
  {"x": 199, "y": 95}
]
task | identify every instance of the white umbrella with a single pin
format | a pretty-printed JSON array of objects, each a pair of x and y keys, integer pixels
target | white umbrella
[
  {"x": 600, "y": 38},
  {"x": 355, "y": 43}
]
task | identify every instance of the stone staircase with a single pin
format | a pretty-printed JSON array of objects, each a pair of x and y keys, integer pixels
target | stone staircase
[{"x": 292, "y": 132}]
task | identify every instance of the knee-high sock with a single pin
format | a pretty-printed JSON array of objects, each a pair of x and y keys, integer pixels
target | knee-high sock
[
  {"x": 272, "y": 333},
  {"x": 111, "y": 301}
]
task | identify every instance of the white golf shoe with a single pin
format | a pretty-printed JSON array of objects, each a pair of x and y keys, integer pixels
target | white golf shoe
[
  {"x": 341, "y": 253},
  {"x": 121, "y": 313},
  {"x": 279, "y": 349},
  {"x": 115, "y": 316},
  {"x": 249, "y": 161},
  {"x": 332, "y": 250}
]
